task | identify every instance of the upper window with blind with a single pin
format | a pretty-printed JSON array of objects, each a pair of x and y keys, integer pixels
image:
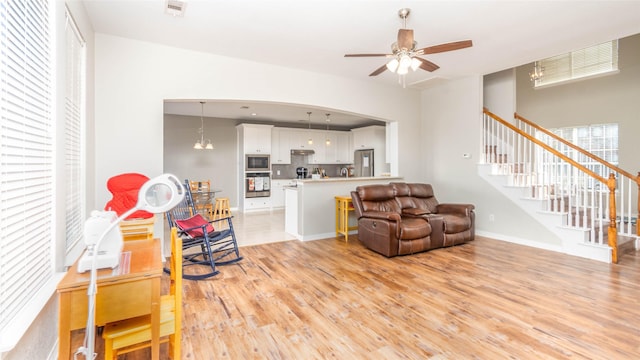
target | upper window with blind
[{"x": 592, "y": 61}]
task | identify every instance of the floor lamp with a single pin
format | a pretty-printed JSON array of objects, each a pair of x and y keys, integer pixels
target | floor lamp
[{"x": 157, "y": 195}]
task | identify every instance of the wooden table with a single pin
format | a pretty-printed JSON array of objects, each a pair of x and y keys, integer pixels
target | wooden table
[
  {"x": 203, "y": 201},
  {"x": 132, "y": 289}
]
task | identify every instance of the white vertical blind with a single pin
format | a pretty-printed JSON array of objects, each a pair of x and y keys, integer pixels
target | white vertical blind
[
  {"x": 74, "y": 104},
  {"x": 26, "y": 159}
]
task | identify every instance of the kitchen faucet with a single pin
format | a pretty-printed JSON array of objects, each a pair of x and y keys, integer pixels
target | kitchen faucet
[{"x": 344, "y": 171}]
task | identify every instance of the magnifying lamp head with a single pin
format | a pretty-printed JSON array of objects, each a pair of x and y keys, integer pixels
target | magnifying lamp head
[{"x": 160, "y": 194}]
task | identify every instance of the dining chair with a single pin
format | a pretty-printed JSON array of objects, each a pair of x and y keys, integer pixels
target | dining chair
[
  {"x": 133, "y": 334},
  {"x": 202, "y": 196}
]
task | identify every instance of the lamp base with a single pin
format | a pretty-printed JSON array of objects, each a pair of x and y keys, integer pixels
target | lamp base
[{"x": 105, "y": 260}]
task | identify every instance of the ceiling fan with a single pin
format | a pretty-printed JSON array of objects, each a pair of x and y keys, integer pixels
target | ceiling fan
[{"x": 405, "y": 55}]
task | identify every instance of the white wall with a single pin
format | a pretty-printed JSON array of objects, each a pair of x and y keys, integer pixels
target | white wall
[
  {"x": 608, "y": 99},
  {"x": 133, "y": 78},
  {"x": 452, "y": 114},
  {"x": 499, "y": 93},
  {"x": 218, "y": 165}
]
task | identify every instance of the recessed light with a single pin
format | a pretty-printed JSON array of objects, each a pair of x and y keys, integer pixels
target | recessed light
[{"x": 254, "y": 114}]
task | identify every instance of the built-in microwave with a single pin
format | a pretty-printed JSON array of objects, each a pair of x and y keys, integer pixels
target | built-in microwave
[{"x": 258, "y": 162}]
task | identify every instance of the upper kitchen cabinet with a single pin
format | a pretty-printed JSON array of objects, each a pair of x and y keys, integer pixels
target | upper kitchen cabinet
[
  {"x": 337, "y": 148},
  {"x": 344, "y": 154},
  {"x": 255, "y": 139},
  {"x": 281, "y": 140},
  {"x": 369, "y": 137},
  {"x": 300, "y": 140}
]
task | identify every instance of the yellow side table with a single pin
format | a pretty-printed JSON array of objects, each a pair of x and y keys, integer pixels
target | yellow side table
[{"x": 343, "y": 206}]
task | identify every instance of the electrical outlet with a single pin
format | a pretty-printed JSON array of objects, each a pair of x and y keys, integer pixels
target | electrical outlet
[{"x": 492, "y": 218}]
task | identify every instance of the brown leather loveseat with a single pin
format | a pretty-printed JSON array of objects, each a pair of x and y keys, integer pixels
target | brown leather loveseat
[{"x": 402, "y": 218}]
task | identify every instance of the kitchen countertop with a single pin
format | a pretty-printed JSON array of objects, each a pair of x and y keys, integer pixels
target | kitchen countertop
[{"x": 338, "y": 179}]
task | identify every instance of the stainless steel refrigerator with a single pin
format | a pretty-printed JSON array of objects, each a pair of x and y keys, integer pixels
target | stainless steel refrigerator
[{"x": 363, "y": 163}]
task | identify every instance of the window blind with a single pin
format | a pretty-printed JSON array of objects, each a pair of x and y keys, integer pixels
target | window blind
[
  {"x": 594, "y": 60},
  {"x": 74, "y": 104},
  {"x": 26, "y": 158}
]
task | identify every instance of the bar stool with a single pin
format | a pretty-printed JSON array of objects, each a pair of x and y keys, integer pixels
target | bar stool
[
  {"x": 343, "y": 206},
  {"x": 221, "y": 208}
]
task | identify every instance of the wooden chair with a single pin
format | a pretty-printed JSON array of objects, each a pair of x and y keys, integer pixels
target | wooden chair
[
  {"x": 202, "y": 196},
  {"x": 133, "y": 334}
]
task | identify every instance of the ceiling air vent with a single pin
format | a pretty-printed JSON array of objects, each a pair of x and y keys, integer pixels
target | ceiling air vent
[{"x": 175, "y": 7}]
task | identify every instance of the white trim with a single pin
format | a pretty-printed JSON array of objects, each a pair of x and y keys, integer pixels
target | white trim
[
  {"x": 13, "y": 332},
  {"x": 519, "y": 241},
  {"x": 574, "y": 80}
]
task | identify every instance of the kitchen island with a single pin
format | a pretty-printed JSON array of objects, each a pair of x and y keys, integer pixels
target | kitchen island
[{"x": 310, "y": 204}]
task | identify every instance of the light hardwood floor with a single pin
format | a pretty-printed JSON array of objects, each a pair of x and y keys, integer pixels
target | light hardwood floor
[{"x": 486, "y": 299}]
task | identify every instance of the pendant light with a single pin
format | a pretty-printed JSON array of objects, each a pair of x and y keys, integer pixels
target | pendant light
[
  {"x": 199, "y": 145},
  {"x": 328, "y": 141},
  {"x": 310, "y": 141}
]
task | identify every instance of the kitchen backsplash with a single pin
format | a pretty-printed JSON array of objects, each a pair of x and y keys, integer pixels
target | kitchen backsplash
[{"x": 289, "y": 171}]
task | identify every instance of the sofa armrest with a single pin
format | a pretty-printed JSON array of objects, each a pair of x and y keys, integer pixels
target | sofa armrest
[
  {"x": 461, "y": 209},
  {"x": 415, "y": 211},
  {"x": 382, "y": 215}
]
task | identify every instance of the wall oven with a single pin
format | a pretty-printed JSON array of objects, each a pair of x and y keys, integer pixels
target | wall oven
[
  {"x": 257, "y": 162},
  {"x": 257, "y": 185}
]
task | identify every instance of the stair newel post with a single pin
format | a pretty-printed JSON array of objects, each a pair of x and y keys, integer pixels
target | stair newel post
[{"x": 612, "y": 231}]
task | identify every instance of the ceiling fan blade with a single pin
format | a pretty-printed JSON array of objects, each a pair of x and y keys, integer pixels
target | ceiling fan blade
[
  {"x": 379, "y": 70},
  {"x": 446, "y": 47},
  {"x": 427, "y": 65},
  {"x": 364, "y": 55},
  {"x": 405, "y": 39}
]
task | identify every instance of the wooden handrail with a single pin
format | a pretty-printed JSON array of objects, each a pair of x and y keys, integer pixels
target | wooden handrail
[
  {"x": 547, "y": 147},
  {"x": 612, "y": 231},
  {"x": 575, "y": 147},
  {"x": 588, "y": 154}
]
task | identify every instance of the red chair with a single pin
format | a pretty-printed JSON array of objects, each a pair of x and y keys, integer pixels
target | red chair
[{"x": 124, "y": 189}]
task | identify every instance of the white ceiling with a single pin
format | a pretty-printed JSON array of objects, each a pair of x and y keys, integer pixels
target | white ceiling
[{"x": 314, "y": 35}]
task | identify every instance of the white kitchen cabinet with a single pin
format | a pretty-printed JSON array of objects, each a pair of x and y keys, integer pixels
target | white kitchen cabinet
[
  {"x": 340, "y": 150},
  {"x": 369, "y": 137},
  {"x": 258, "y": 203},
  {"x": 256, "y": 139},
  {"x": 277, "y": 192},
  {"x": 300, "y": 138},
  {"x": 281, "y": 139},
  {"x": 344, "y": 152},
  {"x": 330, "y": 150},
  {"x": 318, "y": 147}
]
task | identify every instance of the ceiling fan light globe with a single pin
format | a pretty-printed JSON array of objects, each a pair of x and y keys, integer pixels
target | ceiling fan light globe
[
  {"x": 197, "y": 146},
  {"x": 209, "y": 146},
  {"x": 402, "y": 70},
  {"x": 405, "y": 61},
  {"x": 393, "y": 65},
  {"x": 415, "y": 64}
]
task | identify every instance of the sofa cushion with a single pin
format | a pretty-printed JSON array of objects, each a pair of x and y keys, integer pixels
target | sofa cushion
[
  {"x": 423, "y": 197},
  {"x": 378, "y": 198},
  {"x": 414, "y": 228},
  {"x": 455, "y": 223}
]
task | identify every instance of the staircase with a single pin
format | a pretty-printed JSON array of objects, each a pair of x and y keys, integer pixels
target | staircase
[{"x": 594, "y": 214}]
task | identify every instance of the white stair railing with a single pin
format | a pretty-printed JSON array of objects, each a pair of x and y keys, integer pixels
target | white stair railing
[{"x": 538, "y": 163}]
